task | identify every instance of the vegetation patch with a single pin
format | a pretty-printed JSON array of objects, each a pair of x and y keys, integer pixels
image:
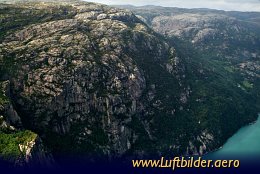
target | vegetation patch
[
  {"x": 9, "y": 143},
  {"x": 3, "y": 98},
  {"x": 247, "y": 85}
]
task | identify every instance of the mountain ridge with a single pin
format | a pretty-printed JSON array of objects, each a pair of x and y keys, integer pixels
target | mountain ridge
[{"x": 97, "y": 82}]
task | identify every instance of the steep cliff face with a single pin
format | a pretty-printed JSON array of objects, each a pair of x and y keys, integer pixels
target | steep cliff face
[
  {"x": 221, "y": 53},
  {"x": 19, "y": 147},
  {"x": 97, "y": 82}
]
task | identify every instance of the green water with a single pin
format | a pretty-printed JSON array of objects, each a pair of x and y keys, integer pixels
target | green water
[{"x": 245, "y": 142}]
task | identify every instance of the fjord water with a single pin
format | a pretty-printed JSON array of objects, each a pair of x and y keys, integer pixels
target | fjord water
[{"x": 245, "y": 143}]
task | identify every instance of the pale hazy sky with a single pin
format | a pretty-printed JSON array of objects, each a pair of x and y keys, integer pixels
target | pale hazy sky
[{"x": 238, "y": 5}]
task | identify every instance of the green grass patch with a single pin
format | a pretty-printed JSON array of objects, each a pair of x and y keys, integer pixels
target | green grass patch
[{"x": 9, "y": 143}]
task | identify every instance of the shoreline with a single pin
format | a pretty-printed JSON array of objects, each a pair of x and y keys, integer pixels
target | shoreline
[{"x": 249, "y": 124}]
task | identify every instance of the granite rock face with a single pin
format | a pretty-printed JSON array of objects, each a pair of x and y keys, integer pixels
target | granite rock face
[
  {"x": 221, "y": 54},
  {"x": 89, "y": 83},
  {"x": 95, "y": 81},
  {"x": 229, "y": 36},
  {"x": 20, "y": 147}
]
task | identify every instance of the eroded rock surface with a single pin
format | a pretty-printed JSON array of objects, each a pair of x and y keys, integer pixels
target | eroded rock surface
[{"x": 82, "y": 82}]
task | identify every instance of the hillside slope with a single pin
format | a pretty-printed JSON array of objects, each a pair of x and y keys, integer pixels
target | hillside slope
[
  {"x": 96, "y": 82},
  {"x": 221, "y": 53}
]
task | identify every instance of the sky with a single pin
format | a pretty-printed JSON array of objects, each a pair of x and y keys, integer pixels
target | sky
[{"x": 236, "y": 5}]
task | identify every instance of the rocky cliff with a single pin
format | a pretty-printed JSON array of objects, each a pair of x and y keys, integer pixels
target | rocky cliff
[
  {"x": 18, "y": 146},
  {"x": 91, "y": 82},
  {"x": 221, "y": 54},
  {"x": 231, "y": 37},
  {"x": 96, "y": 82}
]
